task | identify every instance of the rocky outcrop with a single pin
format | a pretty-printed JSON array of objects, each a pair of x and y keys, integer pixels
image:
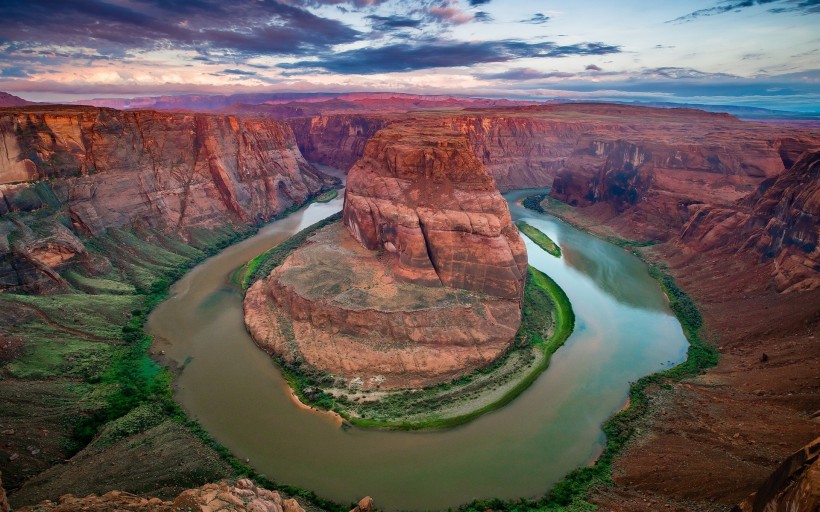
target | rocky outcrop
[
  {"x": 4, "y": 502},
  {"x": 424, "y": 284},
  {"x": 336, "y": 307},
  {"x": 778, "y": 224},
  {"x": 244, "y": 496},
  {"x": 93, "y": 169},
  {"x": 523, "y": 148},
  {"x": 793, "y": 487},
  {"x": 420, "y": 194},
  {"x": 111, "y": 168}
]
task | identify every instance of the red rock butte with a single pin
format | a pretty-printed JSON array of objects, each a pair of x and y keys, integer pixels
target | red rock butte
[
  {"x": 424, "y": 197},
  {"x": 424, "y": 285}
]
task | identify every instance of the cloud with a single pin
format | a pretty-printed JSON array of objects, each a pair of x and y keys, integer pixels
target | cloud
[
  {"x": 238, "y": 72},
  {"x": 483, "y": 17},
  {"x": 593, "y": 67},
  {"x": 392, "y": 22},
  {"x": 524, "y": 74},
  {"x": 443, "y": 53},
  {"x": 449, "y": 15},
  {"x": 806, "y": 6},
  {"x": 476, "y": 3},
  {"x": 248, "y": 27},
  {"x": 676, "y": 73},
  {"x": 537, "y": 19}
]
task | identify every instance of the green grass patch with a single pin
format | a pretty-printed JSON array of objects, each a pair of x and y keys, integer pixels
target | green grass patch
[
  {"x": 98, "y": 316},
  {"x": 49, "y": 353},
  {"x": 98, "y": 286},
  {"x": 328, "y": 196},
  {"x": 540, "y": 239}
]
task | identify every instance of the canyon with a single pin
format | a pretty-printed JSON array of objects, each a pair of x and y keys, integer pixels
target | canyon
[{"x": 730, "y": 207}]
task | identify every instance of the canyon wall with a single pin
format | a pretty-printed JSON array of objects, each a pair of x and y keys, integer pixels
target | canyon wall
[
  {"x": 778, "y": 225},
  {"x": 94, "y": 169},
  {"x": 336, "y": 140}
]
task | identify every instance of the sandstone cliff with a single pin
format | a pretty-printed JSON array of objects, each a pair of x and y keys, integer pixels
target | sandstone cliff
[
  {"x": 420, "y": 194},
  {"x": 779, "y": 224},
  {"x": 793, "y": 487},
  {"x": 244, "y": 496},
  {"x": 94, "y": 169},
  {"x": 336, "y": 140}
]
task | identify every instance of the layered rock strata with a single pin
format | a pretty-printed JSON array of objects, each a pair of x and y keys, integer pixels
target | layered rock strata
[
  {"x": 421, "y": 195},
  {"x": 423, "y": 285},
  {"x": 793, "y": 487},
  {"x": 340, "y": 308},
  {"x": 244, "y": 496},
  {"x": 778, "y": 224},
  {"x": 96, "y": 169}
]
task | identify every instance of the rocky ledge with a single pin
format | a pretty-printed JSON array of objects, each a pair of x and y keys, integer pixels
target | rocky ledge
[
  {"x": 242, "y": 497},
  {"x": 339, "y": 308},
  {"x": 424, "y": 285}
]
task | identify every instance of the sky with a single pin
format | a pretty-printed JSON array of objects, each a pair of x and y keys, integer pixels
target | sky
[{"x": 762, "y": 53}]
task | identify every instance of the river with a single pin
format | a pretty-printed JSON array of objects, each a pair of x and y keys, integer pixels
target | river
[{"x": 623, "y": 330}]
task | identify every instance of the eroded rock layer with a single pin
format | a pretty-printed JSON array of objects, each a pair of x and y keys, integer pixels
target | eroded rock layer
[
  {"x": 102, "y": 168},
  {"x": 244, "y": 496},
  {"x": 420, "y": 194},
  {"x": 340, "y": 308},
  {"x": 779, "y": 224}
]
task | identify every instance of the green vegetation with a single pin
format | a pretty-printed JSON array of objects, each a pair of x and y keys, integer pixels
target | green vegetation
[
  {"x": 78, "y": 363},
  {"x": 328, "y": 196},
  {"x": 540, "y": 239},
  {"x": 547, "y": 322}
]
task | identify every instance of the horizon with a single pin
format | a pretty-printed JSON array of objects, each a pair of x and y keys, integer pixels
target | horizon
[{"x": 501, "y": 49}]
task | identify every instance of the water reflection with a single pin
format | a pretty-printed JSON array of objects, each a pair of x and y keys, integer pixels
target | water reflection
[{"x": 617, "y": 273}]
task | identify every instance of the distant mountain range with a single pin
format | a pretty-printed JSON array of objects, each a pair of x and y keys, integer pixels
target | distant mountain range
[
  {"x": 300, "y": 104},
  {"x": 9, "y": 100}
]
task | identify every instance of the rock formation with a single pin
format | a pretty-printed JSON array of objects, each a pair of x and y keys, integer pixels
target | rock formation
[
  {"x": 778, "y": 224},
  {"x": 644, "y": 165},
  {"x": 793, "y": 487},
  {"x": 336, "y": 140},
  {"x": 101, "y": 168},
  {"x": 422, "y": 196},
  {"x": 242, "y": 497},
  {"x": 424, "y": 285}
]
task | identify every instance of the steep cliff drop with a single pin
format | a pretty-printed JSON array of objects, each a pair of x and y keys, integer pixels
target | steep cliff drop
[
  {"x": 425, "y": 284},
  {"x": 80, "y": 171}
]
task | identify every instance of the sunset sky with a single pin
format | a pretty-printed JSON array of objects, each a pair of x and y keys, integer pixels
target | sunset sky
[{"x": 757, "y": 53}]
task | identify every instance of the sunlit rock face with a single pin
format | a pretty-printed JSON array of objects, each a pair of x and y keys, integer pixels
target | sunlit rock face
[
  {"x": 778, "y": 225},
  {"x": 420, "y": 194}
]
